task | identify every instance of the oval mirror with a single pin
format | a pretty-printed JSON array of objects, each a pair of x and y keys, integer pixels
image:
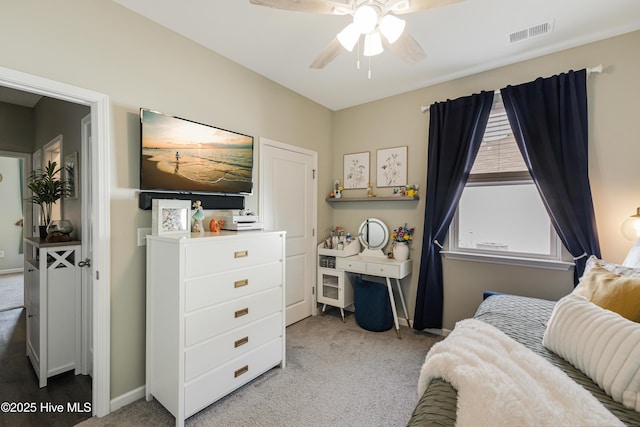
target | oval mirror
[{"x": 373, "y": 234}]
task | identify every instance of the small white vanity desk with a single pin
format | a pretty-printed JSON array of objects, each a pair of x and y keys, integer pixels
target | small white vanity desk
[{"x": 374, "y": 235}]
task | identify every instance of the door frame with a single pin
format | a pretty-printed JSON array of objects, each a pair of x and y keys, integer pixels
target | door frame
[
  {"x": 100, "y": 187},
  {"x": 314, "y": 202},
  {"x": 86, "y": 367}
]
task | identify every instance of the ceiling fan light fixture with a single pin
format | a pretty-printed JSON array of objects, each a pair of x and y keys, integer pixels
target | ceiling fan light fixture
[
  {"x": 366, "y": 19},
  {"x": 372, "y": 44},
  {"x": 349, "y": 36},
  {"x": 401, "y": 6},
  {"x": 341, "y": 10},
  {"x": 392, "y": 27}
]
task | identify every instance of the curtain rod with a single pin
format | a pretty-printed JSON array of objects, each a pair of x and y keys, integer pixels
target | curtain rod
[{"x": 597, "y": 69}]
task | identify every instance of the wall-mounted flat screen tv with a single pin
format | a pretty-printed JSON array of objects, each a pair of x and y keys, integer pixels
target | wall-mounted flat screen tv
[{"x": 185, "y": 156}]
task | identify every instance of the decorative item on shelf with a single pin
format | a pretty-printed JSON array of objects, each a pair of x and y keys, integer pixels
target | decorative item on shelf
[
  {"x": 337, "y": 190},
  {"x": 46, "y": 188},
  {"x": 198, "y": 216},
  {"x": 401, "y": 238},
  {"x": 406, "y": 191},
  {"x": 215, "y": 226},
  {"x": 370, "y": 191},
  {"x": 59, "y": 231}
]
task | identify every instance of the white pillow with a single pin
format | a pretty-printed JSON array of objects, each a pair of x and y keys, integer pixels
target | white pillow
[
  {"x": 633, "y": 257},
  {"x": 622, "y": 270},
  {"x": 602, "y": 344}
]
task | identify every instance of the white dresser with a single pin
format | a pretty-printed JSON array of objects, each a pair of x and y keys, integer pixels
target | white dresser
[{"x": 215, "y": 315}]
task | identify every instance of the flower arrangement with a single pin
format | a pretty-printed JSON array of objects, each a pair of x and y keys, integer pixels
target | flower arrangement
[{"x": 402, "y": 234}]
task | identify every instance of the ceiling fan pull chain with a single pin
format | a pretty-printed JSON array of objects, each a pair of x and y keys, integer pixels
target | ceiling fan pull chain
[{"x": 369, "y": 74}]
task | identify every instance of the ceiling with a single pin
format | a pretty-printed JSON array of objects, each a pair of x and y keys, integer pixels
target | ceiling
[{"x": 460, "y": 39}]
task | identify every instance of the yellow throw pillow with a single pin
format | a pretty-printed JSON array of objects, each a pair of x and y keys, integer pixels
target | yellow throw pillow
[{"x": 611, "y": 291}]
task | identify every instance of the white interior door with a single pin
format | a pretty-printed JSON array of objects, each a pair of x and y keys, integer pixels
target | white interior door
[
  {"x": 86, "y": 250},
  {"x": 288, "y": 202}
]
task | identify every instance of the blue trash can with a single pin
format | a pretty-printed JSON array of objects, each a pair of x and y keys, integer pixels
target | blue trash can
[{"x": 372, "y": 306}]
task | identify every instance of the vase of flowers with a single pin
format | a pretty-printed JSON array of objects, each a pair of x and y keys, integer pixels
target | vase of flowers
[{"x": 401, "y": 238}]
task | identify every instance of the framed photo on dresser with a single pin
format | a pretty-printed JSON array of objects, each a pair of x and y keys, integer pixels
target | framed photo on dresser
[{"x": 170, "y": 217}]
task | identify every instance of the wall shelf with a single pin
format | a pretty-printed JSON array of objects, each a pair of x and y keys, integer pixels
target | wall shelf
[{"x": 372, "y": 199}]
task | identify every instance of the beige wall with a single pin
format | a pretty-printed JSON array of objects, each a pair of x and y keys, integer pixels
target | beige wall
[
  {"x": 614, "y": 151},
  {"x": 17, "y": 128},
  {"x": 103, "y": 47},
  {"x": 16, "y": 135},
  {"x": 54, "y": 117}
]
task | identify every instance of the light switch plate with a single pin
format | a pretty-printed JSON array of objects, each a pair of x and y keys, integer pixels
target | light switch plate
[{"x": 142, "y": 234}]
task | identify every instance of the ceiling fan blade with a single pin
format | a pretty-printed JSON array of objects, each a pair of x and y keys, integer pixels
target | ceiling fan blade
[
  {"x": 310, "y": 6},
  {"x": 418, "y": 5},
  {"x": 407, "y": 48},
  {"x": 327, "y": 55}
]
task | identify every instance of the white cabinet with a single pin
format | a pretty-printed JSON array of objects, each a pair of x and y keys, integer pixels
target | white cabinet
[
  {"x": 215, "y": 315},
  {"x": 335, "y": 287},
  {"x": 53, "y": 296}
]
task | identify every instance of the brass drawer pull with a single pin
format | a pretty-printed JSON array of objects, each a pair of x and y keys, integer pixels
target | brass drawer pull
[
  {"x": 241, "y": 371},
  {"x": 241, "y": 341},
  {"x": 240, "y": 283},
  {"x": 242, "y": 312},
  {"x": 241, "y": 254}
]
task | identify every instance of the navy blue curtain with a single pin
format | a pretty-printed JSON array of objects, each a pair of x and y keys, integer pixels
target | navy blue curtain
[
  {"x": 549, "y": 121},
  {"x": 456, "y": 129}
]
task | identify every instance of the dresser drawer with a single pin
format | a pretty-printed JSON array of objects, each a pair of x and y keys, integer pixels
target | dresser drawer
[
  {"x": 207, "y": 323},
  {"x": 217, "y": 351},
  {"x": 205, "y": 390},
  {"x": 384, "y": 270},
  {"x": 351, "y": 265},
  {"x": 217, "y": 288},
  {"x": 230, "y": 254}
]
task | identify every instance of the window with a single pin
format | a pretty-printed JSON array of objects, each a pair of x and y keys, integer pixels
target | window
[{"x": 500, "y": 213}]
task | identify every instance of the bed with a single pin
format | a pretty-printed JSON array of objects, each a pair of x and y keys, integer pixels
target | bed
[{"x": 525, "y": 320}]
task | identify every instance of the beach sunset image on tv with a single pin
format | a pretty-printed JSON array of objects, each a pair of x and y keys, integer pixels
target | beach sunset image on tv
[{"x": 181, "y": 155}]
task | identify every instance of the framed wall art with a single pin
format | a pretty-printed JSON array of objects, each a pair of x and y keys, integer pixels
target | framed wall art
[
  {"x": 70, "y": 173},
  {"x": 170, "y": 217},
  {"x": 356, "y": 170},
  {"x": 391, "y": 167}
]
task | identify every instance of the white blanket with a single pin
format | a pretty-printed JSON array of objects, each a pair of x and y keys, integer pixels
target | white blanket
[{"x": 500, "y": 382}]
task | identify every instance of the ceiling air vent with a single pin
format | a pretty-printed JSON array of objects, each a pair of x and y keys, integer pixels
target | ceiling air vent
[{"x": 533, "y": 31}]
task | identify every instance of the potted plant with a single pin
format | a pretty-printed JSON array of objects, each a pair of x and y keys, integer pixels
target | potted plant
[{"x": 47, "y": 188}]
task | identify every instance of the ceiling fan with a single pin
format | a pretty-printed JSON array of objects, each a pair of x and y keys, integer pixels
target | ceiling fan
[{"x": 375, "y": 20}]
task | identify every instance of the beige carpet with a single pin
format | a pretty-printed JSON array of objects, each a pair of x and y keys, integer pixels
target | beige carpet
[
  {"x": 11, "y": 291},
  {"x": 337, "y": 374}
]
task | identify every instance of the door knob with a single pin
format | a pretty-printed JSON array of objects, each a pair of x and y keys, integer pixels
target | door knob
[{"x": 85, "y": 263}]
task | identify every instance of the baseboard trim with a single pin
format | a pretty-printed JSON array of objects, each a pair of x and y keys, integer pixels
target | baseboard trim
[
  {"x": 443, "y": 332},
  {"x": 127, "y": 398},
  {"x": 12, "y": 270}
]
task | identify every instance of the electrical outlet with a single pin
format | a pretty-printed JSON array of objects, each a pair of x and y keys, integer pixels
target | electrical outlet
[
  {"x": 142, "y": 236},
  {"x": 1, "y": 254}
]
